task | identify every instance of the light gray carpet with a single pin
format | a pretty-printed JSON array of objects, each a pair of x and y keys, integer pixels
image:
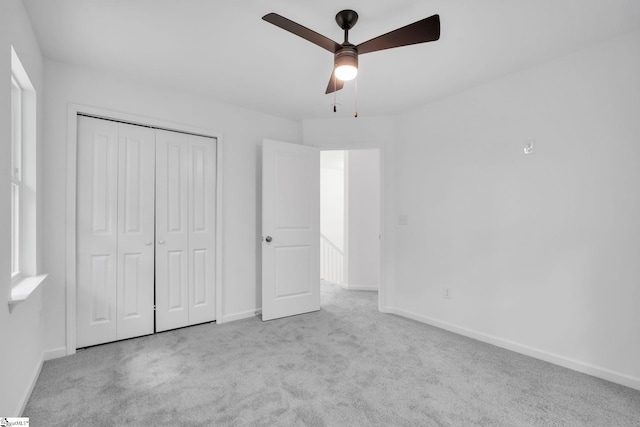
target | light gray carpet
[{"x": 347, "y": 365}]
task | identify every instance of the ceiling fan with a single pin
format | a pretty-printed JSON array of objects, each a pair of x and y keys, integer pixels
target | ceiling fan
[{"x": 346, "y": 54}]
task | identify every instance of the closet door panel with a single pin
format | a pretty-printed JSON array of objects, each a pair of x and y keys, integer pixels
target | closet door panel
[
  {"x": 136, "y": 205},
  {"x": 97, "y": 233},
  {"x": 146, "y": 230},
  {"x": 172, "y": 267},
  {"x": 202, "y": 226}
]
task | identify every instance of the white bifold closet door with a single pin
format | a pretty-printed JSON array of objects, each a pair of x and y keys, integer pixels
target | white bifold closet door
[
  {"x": 115, "y": 214},
  {"x": 185, "y": 230},
  {"x": 145, "y": 207}
]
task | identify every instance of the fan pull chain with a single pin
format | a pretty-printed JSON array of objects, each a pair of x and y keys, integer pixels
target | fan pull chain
[
  {"x": 355, "y": 113},
  {"x": 335, "y": 86}
]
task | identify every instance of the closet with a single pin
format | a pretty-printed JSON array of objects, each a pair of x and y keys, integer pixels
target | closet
[{"x": 145, "y": 230}]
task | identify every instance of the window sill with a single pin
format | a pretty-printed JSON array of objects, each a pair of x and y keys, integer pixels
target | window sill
[{"x": 24, "y": 288}]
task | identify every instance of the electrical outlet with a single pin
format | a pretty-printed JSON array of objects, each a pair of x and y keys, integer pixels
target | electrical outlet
[
  {"x": 446, "y": 292},
  {"x": 403, "y": 219}
]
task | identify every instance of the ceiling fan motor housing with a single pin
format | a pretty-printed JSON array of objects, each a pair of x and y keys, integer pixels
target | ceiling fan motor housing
[{"x": 346, "y": 55}]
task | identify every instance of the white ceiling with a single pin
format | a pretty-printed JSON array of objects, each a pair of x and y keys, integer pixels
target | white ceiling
[{"x": 223, "y": 49}]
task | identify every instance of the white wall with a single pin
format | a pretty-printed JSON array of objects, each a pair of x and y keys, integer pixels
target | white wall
[
  {"x": 542, "y": 251},
  {"x": 21, "y": 331},
  {"x": 332, "y": 196},
  {"x": 364, "y": 219},
  {"x": 243, "y": 132}
]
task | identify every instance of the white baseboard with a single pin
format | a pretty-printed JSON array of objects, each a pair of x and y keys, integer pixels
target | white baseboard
[
  {"x": 239, "y": 316},
  {"x": 387, "y": 310},
  {"x": 358, "y": 287},
  {"x": 55, "y": 353},
  {"x": 576, "y": 365},
  {"x": 26, "y": 394}
]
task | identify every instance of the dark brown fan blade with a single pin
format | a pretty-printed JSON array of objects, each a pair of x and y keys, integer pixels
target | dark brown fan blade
[
  {"x": 334, "y": 84},
  {"x": 304, "y": 32},
  {"x": 426, "y": 30}
]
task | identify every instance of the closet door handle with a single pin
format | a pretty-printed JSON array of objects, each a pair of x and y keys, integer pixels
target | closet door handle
[
  {"x": 148, "y": 242},
  {"x": 161, "y": 242}
]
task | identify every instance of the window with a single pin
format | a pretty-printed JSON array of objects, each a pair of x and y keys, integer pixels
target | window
[
  {"x": 16, "y": 181},
  {"x": 24, "y": 269}
]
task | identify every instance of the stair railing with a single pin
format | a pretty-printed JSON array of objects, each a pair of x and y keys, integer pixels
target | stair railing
[{"x": 331, "y": 261}]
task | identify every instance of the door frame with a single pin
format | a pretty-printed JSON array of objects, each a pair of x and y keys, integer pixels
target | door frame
[
  {"x": 72, "y": 171},
  {"x": 386, "y": 235}
]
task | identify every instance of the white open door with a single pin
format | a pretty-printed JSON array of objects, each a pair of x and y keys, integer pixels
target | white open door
[{"x": 290, "y": 229}]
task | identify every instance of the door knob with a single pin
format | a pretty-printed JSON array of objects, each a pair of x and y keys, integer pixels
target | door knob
[
  {"x": 268, "y": 239},
  {"x": 148, "y": 242},
  {"x": 161, "y": 242}
]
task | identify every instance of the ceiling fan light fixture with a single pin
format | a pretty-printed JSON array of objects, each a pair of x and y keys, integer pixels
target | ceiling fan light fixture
[
  {"x": 346, "y": 63},
  {"x": 346, "y": 72}
]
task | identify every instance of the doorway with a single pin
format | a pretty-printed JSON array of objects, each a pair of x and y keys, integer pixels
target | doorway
[{"x": 350, "y": 218}]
